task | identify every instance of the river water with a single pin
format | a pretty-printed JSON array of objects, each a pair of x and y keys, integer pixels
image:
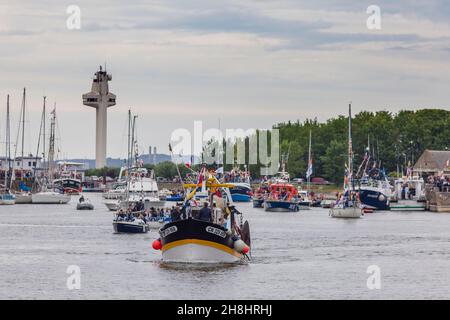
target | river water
[{"x": 305, "y": 255}]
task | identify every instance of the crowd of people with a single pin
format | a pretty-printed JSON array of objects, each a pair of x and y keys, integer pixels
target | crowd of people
[{"x": 441, "y": 182}]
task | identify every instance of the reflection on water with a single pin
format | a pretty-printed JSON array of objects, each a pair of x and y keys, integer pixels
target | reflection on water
[
  {"x": 304, "y": 255},
  {"x": 202, "y": 267}
]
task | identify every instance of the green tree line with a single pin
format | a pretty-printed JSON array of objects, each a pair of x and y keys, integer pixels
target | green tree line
[{"x": 396, "y": 139}]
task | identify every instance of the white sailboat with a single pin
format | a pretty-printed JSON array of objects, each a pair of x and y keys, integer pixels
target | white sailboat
[
  {"x": 6, "y": 198},
  {"x": 348, "y": 206},
  {"x": 48, "y": 195},
  {"x": 140, "y": 183}
]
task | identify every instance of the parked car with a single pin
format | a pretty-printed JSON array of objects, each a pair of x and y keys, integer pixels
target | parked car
[
  {"x": 320, "y": 181},
  {"x": 298, "y": 180}
]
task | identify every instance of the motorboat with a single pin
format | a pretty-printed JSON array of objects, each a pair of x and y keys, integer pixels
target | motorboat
[
  {"x": 220, "y": 237},
  {"x": 135, "y": 226},
  {"x": 409, "y": 194},
  {"x": 374, "y": 190},
  {"x": 282, "y": 197},
  {"x": 84, "y": 204},
  {"x": 241, "y": 192},
  {"x": 141, "y": 187}
]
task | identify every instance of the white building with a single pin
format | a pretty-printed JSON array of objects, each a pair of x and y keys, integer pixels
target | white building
[{"x": 28, "y": 163}]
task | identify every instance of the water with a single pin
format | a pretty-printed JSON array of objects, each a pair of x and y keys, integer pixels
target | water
[{"x": 304, "y": 255}]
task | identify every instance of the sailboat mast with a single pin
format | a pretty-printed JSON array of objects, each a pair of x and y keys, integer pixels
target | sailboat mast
[
  {"x": 309, "y": 162},
  {"x": 350, "y": 145},
  {"x": 133, "y": 153},
  {"x": 23, "y": 129},
  {"x": 51, "y": 148},
  {"x": 8, "y": 142},
  {"x": 129, "y": 137},
  {"x": 43, "y": 127}
]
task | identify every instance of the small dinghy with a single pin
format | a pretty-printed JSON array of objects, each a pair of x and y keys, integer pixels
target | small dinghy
[
  {"x": 84, "y": 204},
  {"x": 136, "y": 226}
]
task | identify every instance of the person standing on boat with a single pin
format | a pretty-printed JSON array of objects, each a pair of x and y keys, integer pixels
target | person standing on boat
[
  {"x": 205, "y": 213},
  {"x": 175, "y": 214}
]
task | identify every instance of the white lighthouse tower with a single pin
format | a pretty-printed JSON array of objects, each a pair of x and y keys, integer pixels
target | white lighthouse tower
[{"x": 101, "y": 99}]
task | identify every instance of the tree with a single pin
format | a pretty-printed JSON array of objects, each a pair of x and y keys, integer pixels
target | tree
[{"x": 334, "y": 161}]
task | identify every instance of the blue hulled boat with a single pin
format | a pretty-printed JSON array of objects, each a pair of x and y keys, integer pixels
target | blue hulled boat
[
  {"x": 282, "y": 197},
  {"x": 241, "y": 192},
  {"x": 277, "y": 205},
  {"x": 375, "y": 191}
]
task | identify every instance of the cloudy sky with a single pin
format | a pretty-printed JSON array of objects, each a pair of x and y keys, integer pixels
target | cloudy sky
[{"x": 248, "y": 63}]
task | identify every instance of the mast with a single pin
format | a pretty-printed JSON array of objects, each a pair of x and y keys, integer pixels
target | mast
[
  {"x": 51, "y": 148},
  {"x": 309, "y": 164},
  {"x": 23, "y": 129},
  {"x": 133, "y": 154},
  {"x": 43, "y": 127},
  {"x": 350, "y": 146},
  {"x": 8, "y": 142},
  {"x": 129, "y": 137}
]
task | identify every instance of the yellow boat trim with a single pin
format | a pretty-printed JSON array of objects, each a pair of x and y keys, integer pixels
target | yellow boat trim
[{"x": 202, "y": 243}]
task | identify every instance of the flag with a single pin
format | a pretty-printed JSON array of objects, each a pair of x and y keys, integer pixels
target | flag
[
  {"x": 220, "y": 170},
  {"x": 200, "y": 176},
  {"x": 310, "y": 169}
]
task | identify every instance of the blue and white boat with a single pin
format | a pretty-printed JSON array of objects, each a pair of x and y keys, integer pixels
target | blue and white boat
[
  {"x": 241, "y": 192},
  {"x": 375, "y": 191},
  {"x": 175, "y": 198},
  {"x": 7, "y": 198}
]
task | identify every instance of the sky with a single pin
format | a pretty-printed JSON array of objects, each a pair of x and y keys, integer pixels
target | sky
[{"x": 246, "y": 64}]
